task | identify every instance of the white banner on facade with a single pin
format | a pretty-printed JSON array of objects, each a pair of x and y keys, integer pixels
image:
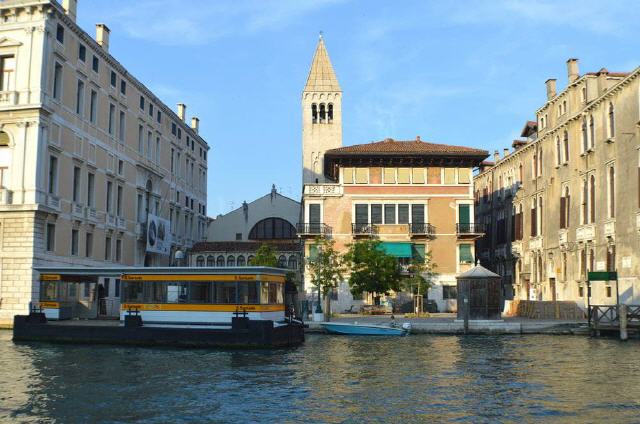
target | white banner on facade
[{"x": 158, "y": 235}]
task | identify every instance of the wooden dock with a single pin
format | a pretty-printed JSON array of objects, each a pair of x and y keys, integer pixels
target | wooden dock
[{"x": 614, "y": 320}]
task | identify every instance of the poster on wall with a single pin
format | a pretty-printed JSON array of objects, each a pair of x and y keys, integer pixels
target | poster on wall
[{"x": 158, "y": 235}]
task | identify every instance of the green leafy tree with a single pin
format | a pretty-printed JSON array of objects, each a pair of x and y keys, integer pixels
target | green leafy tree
[
  {"x": 372, "y": 270},
  {"x": 422, "y": 273},
  {"x": 325, "y": 269},
  {"x": 265, "y": 256}
]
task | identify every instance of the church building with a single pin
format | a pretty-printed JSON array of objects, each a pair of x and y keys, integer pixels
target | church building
[{"x": 412, "y": 195}]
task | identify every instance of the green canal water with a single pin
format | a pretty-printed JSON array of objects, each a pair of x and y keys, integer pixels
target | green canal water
[{"x": 416, "y": 379}]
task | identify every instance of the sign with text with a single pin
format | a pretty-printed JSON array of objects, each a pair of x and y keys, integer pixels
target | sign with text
[{"x": 158, "y": 235}]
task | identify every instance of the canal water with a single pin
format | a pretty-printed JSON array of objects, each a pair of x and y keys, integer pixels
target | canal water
[{"x": 331, "y": 379}]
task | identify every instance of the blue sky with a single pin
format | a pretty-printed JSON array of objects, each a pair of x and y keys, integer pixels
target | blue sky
[{"x": 456, "y": 72}]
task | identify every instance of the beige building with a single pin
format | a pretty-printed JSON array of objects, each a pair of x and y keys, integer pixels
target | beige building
[
  {"x": 413, "y": 196},
  {"x": 566, "y": 201},
  {"x": 87, "y": 154}
]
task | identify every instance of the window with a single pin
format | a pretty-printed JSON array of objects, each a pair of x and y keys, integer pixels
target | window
[
  {"x": 90, "y": 189},
  {"x": 389, "y": 214},
  {"x": 173, "y": 126},
  {"x": 404, "y": 175},
  {"x": 534, "y": 219},
  {"x": 117, "y": 288},
  {"x": 362, "y": 175},
  {"x": 151, "y": 110},
  {"x": 120, "y": 167},
  {"x": 82, "y": 52},
  {"x": 76, "y": 184},
  {"x": 121, "y": 133},
  {"x": 403, "y": 214},
  {"x": 231, "y": 260},
  {"x": 417, "y": 214},
  {"x": 93, "y": 106},
  {"x": 112, "y": 112},
  {"x": 200, "y": 261},
  {"x": 449, "y": 292},
  {"x": 241, "y": 261},
  {"x": 95, "y": 65},
  {"x": 74, "y": 242},
  {"x": 293, "y": 262},
  {"x": 466, "y": 257},
  {"x": 119, "y": 200},
  {"x": 159, "y": 117},
  {"x": 114, "y": 79},
  {"x": 8, "y": 65},
  {"x": 53, "y": 175},
  {"x": 417, "y": 175},
  {"x": 585, "y": 136},
  {"x": 464, "y": 176},
  {"x": 449, "y": 175},
  {"x": 60, "y": 33},
  {"x": 179, "y": 134},
  {"x": 273, "y": 228},
  {"x": 123, "y": 87},
  {"x": 157, "y": 149},
  {"x": 109, "y": 197},
  {"x": 140, "y": 139},
  {"x": 57, "y": 81},
  {"x": 566, "y": 147},
  {"x": 238, "y": 236},
  {"x": 592, "y": 132},
  {"x": 88, "y": 245},
  {"x": 612, "y": 121},
  {"x": 51, "y": 237},
  {"x": 210, "y": 261},
  {"x": 564, "y": 208},
  {"x": 107, "y": 248},
  {"x": 592, "y": 198},
  {"x": 558, "y": 152},
  {"x": 612, "y": 192},
  {"x": 141, "y": 102},
  {"x": 389, "y": 175},
  {"x": 80, "y": 98},
  {"x": 220, "y": 261},
  {"x": 376, "y": 214},
  {"x": 585, "y": 201}
]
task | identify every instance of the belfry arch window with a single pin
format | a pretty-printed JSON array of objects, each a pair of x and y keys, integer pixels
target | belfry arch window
[
  {"x": 314, "y": 113},
  {"x": 330, "y": 113},
  {"x": 323, "y": 112}
]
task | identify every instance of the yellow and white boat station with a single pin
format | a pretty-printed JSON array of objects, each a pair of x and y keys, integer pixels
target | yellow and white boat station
[{"x": 182, "y": 295}]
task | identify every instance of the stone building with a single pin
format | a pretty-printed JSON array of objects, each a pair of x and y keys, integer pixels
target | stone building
[
  {"x": 414, "y": 196},
  {"x": 87, "y": 155},
  {"x": 234, "y": 238},
  {"x": 566, "y": 200}
]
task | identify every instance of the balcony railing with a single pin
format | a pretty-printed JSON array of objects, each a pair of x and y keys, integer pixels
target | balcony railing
[
  {"x": 325, "y": 190},
  {"x": 313, "y": 229},
  {"x": 424, "y": 229},
  {"x": 360, "y": 229},
  {"x": 469, "y": 229}
]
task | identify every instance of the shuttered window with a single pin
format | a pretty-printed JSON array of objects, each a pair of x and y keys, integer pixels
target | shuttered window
[
  {"x": 347, "y": 175},
  {"x": 404, "y": 175},
  {"x": 376, "y": 214},
  {"x": 465, "y": 253},
  {"x": 418, "y": 175},
  {"x": 362, "y": 175},
  {"x": 389, "y": 175},
  {"x": 362, "y": 214},
  {"x": 403, "y": 214},
  {"x": 464, "y": 175},
  {"x": 389, "y": 214},
  {"x": 449, "y": 175},
  {"x": 417, "y": 214}
]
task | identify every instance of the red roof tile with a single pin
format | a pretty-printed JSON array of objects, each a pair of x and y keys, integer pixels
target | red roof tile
[{"x": 390, "y": 146}]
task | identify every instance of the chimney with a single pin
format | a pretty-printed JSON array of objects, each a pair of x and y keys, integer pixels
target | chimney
[
  {"x": 505, "y": 152},
  {"x": 102, "y": 36},
  {"x": 572, "y": 70},
  {"x": 182, "y": 111},
  {"x": 195, "y": 124},
  {"x": 551, "y": 88},
  {"x": 71, "y": 8},
  {"x": 418, "y": 138},
  {"x": 496, "y": 156}
]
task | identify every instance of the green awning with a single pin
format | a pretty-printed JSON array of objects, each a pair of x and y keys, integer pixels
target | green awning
[{"x": 399, "y": 250}]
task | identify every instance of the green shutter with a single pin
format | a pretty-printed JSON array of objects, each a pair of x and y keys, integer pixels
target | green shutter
[
  {"x": 464, "y": 216},
  {"x": 399, "y": 250},
  {"x": 313, "y": 252},
  {"x": 465, "y": 253},
  {"x": 419, "y": 252}
]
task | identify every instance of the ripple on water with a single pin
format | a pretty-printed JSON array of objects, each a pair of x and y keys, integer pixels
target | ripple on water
[{"x": 330, "y": 379}]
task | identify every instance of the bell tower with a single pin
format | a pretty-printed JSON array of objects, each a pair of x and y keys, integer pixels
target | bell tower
[{"x": 321, "y": 115}]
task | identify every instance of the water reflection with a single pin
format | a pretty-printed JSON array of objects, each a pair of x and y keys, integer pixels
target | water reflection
[{"x": 330, "y": 379}]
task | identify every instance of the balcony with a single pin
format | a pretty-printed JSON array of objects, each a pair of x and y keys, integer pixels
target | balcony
[
  {"x": 91, "y": 214},
  {"x": 110, "y": 220},
  {"x": 422, "y": 230},
  {"x": 122, "y": 223},
  {"x": 77, "y": 211},
  {"x": 313, "y": 229},
  {"x": 6, "y": 197},
  {"x": 470, "y": 231},
  {"x": 8, "y": 98},
  {"x": 323, "y": 190},
  {"x": 364, "y": 230},
  {"x": 610, "y": 229},
  {"x": 586, "y": 232},
  {"x": 53, "y": 202}
]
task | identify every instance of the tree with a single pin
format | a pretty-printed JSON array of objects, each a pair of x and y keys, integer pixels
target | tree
[
  {"x": 265, "y": 256},
  {"x": 422, "y": 273},
  {"x": 325, "y": 268},
  {"x": 372, "y": 270}
]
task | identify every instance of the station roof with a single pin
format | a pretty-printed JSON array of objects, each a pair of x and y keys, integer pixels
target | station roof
[{"x": 117, "y": 272}]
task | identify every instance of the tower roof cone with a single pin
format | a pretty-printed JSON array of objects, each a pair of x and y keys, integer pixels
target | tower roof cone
[{"x": 322, "y": 77}]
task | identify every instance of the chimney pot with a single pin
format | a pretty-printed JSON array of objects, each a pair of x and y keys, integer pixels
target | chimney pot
[
  {"x": 71, "y": 8},
  {"x": 418, "y": 138},
  {"x": 496, "y": 156},
  {"x": 572, "y": 70},
  {"x": 506, "y": 152},
  {"x": 551, "y": 88},
  {"x": 102, "y": 36},
  {"x": 195, "y": 124},
  {"x": 182, "y": 111}
]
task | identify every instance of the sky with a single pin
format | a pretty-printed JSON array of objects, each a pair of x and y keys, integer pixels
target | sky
[{"x": 456, "y": 72}]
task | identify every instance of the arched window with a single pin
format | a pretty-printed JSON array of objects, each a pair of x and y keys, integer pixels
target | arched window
[
  {"x": 282, "y": 261},
  {"x": 210, "y": 261},
  {"x": 323, "y": 112},
  {"x": 612, "y": 192},
  {"x": 220, "y": 261},
  {"x": 241, "y": 261},
  {"x": 250, "y": 259},
  {"x": 314, "y": 113},
  {"x": 585, "y": 135},
  {"x": 592, "y": 199},
  {"x": 200, "y": 261},
  {"x": 592, "y": 132},
  {"x": 330, "y": 112},
  {"x": 4, "y": 139},
  {"x": 272, "y": 228},
  {"x": 566, "y": 146},
  {"x": 612, "y": 121},
  {"x": 293, "y": 262},
  {"x": 585, "y": 201},
  {"x": 558, "y": 152},
  {"x": 231, "y": 260}
]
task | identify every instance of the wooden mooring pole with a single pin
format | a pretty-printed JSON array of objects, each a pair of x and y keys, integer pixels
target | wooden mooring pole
[
  {"x": 466, "y": 315},
  {"x": 622, "y": 311}
]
